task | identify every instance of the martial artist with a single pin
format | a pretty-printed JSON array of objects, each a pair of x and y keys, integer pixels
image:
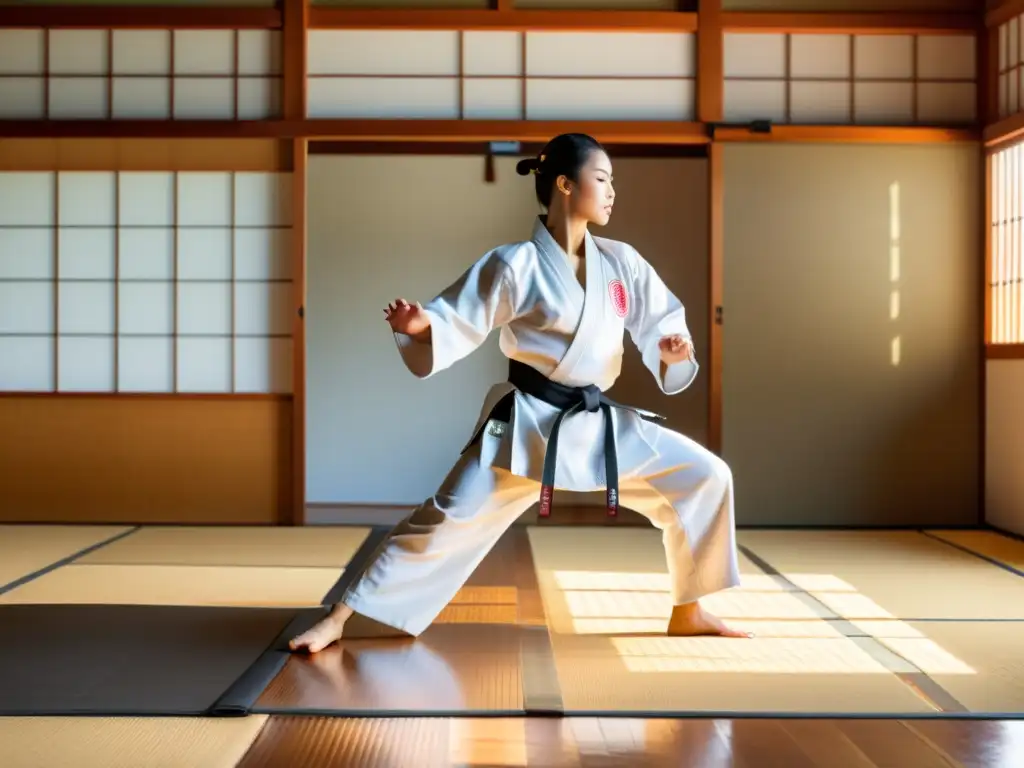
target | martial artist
[{"x": 563, "y": 300}]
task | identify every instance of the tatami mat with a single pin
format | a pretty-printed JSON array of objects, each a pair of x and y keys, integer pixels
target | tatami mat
[
  {"x": 126, "y": 742},
  {"x": 281, "y": 546},
  {"x": 980, "y": 663},
  {"x": 601, "y": 581},
  {"x": 178, "y": 585},
  {"x": 661, "y": 675},
  {"x": 607, "y": 601},
  {"x": 1002, "y": 549},
  {"x": 890, "y": 574},
  {"x": 25, "y": 549}
]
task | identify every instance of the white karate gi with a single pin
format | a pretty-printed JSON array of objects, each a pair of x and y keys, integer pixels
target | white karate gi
[{"x": 575, "y": 338}]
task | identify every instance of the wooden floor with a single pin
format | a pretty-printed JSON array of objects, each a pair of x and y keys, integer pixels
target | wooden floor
[
  {"x": 593, "y": 743},
  {"x": 479, "y": 641}
]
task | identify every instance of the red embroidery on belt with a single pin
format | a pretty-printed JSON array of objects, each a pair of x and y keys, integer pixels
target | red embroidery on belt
[{"x": 620, "y": 301}]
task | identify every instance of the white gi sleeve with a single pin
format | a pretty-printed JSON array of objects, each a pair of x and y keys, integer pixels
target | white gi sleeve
[
  {"x": 461, "y": 317},
  {"x": 655, "y": 312}
]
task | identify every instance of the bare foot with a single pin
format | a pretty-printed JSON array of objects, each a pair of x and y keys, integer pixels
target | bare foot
[
  {"x": 691, "y": 620},
  {"x": 325, "y": 632}
]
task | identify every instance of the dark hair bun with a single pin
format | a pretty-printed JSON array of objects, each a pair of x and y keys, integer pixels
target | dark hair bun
[{"x": 527, "y": 166}]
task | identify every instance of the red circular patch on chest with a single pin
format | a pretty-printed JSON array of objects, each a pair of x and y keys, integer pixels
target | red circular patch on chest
[{"x": 620, "y": 301}]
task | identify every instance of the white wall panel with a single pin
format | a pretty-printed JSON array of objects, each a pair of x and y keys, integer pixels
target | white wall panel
[
  {"x": 141, "y": 52},
  {"x": 145, "y": 364},
  {"x": 551, "y": 99},
  {"x": 262, "y": 254},
  {"x": 86, "y": 307},
  {"x": 492, "y": 53},
  {"x": 22, "y": 98},
  {"x": 204, "y": 365},
  {"x": 85, "y": 364},
  {"x": 26, "y": 363},
  {"x": 204, "y": 52},
  {"x": 259, "y": 98},
  {"x": 204, "y": 199},
  {"x": 610, "y": 54},
  {"x": 87, "y": 198},
  {"x": 26, "y": 254},
  {"x": 1011, "y": 57},
  {"x": 492, "y": 98},
  {"x": 883, "y": 57},
  {"x": 259, "y": 52},
  {"x": 22, "y": 52},
  {"x": 950, "y": 57},
  {"x": 884, "y": 103},
  {"x": 262, "y": 199},
  {"x": 384, "y": 97},
  {"x": 819, "y": 56},
  {"x": 27, "y": 199},
  {"x": 204, "y": 254},
  {"x": 87, "y": 253},
  {"x": 145, "y": 309},
  {"x": 383, "y": 52},
  {"x": 569, "y": 75},
  {"x": 78, "y": 52},
  {"x": 819, "y": 103},
  {"x": 141, "y": 98},
  {"x": 146, "y": 199},
  {"x": 77, "y": 98},
  {"x": 204, "y": 309},
  {"x": 192, "y": 267},
  {"x": 836, "y": 79},
  {"x": 263, "y": 309},
  {"x": 263, "y": 365},
  {"x": 146, "y": 254},
  {"x": 26, "y": 307},
  {"x": 204, "y": 98}
]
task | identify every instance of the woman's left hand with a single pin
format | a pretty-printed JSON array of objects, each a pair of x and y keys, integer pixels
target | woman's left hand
[{"x": 675, "y": 349}]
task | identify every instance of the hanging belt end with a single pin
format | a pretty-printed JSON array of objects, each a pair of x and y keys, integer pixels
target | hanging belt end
[
  {"x": 546, "y": 492},
  {"x": 613, "y": 502}
]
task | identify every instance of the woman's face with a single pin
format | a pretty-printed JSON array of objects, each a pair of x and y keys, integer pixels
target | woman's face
[{"x": 592, "y": 196}]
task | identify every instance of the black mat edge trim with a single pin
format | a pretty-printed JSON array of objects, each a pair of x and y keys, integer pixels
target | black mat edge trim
[
  {"x": 238, "y": 700},
  {"x": 67, "y": 560},
  {"x": 919, "y": 683},
  {"x": 979, "y": 555},
  {"x": 360, "y": 561}
]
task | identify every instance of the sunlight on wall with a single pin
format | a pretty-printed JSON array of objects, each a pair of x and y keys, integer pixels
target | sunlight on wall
[{"x": 894, "y": 266}]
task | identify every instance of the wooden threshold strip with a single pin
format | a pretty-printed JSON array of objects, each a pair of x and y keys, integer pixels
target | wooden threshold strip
[
  {"x": 1008, "y": 130},
  {"x": 608, "y": 132},
  {"x": 1004, "y": 351}
]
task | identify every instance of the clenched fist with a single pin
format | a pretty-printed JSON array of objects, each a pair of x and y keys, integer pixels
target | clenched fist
[
  {"x": 675, "y": 349},
  {"x": 409, "y": 319}
]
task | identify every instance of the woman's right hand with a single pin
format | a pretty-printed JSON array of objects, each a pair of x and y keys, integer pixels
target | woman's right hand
[{"x": 409, "y": 319}]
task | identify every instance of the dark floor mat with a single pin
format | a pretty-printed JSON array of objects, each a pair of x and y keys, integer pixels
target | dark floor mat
[{"x": 139, "y": 659}]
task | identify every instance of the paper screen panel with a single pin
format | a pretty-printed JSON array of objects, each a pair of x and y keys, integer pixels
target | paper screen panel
[
  {"x": 449, "y": 74},
  {"x": 821, "y": 79},
  {"x": 140, "y": 74},
  {"x": 1007, "y": 268},
  {"x": 146, "y": 282}
]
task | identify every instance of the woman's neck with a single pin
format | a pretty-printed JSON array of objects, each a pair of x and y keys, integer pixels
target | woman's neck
[{"x": 568, "y": 233}]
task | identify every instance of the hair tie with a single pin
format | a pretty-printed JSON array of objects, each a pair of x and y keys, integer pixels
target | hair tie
[{"x": 536, "y": 168}]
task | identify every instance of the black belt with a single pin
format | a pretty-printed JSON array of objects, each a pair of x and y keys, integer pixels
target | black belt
[{"x": 569, "y": 400}]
